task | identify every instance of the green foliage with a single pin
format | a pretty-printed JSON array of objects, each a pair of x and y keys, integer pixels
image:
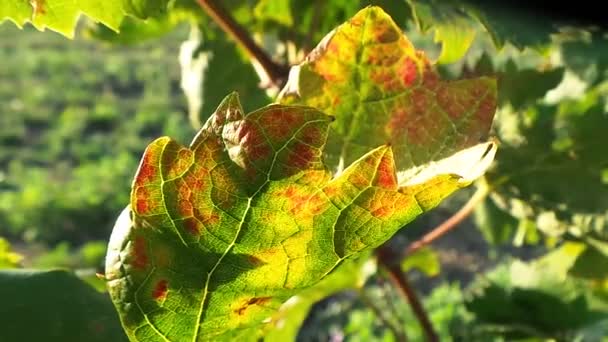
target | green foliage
[
  {"x": 530, "y": 295},
  {"x": 60, "y": 16},
  {"x": 67, "y": 157},
  {"x": 453, "y": 27},
  {"x": 55, "y": 305},
  {"x": 424, "y": 260}
]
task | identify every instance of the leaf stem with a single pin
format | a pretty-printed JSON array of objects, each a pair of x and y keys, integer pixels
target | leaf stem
[
  {"x": 452, "y": 222},
  {"x": 276, "y": 72},
  {"x": 399, "y": 333},
  {"x": 386, "y": 259}
]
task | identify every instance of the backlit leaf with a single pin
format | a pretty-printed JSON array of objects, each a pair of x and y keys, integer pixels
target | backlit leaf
[
  {"x": 62, "y": 16},
  {"x": 220, "y": 234},
  {"x": 454, "y": 28},
  {"x": 549, "y": 169},
  {"x": 381, "y": 90}
]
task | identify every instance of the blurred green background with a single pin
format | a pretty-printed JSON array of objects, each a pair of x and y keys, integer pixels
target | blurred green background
[{"x": 76, "y": 116}]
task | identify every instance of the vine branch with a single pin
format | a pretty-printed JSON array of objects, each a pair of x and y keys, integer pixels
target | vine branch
[
  {"x": 399, "y": 279},
  {"x": 450, "y": 223},
  {"x": 276, "y": 72}
]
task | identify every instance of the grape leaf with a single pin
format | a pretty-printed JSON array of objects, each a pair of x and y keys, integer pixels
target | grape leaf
[
  {"x": 426, "y": 260},
  {"x": 496, "y": 226},
  {"x": 368, "y": 75},
  {"x": 529, "y": 313},
  {"x": 61, "y": 16},
  {"x": 528, "y": 292},
  {"x": 454, "y": 27},
  {"x": 538, "y": 83},
  {"x": 54, "y": 306},
  {"x": 587, "y": 55},
  {"x": 545, "y": 145},
  {"x": 220, "y": 234}
]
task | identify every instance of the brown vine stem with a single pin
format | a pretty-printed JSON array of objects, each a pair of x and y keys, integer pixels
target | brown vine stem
[
  {"x": 276, "y": 72},
  {"x": 452, "y": 222},
  {"x": 386, "y": 259}
]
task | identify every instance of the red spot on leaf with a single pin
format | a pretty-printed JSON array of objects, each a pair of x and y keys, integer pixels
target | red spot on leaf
[
  {"x": 381, "y": 212},
  {"x": 147, "y": 170},
  {"x": 311, "y": 136},
  {"x": 486, "y": 109},
  {"x": 139, "y": 251},
  {"x": 142, "y": 206},
  {"x": 398, "y": 122},
  {"x": 253, "y": 301},
  {"x": 258, "y": 152},
  {"x": 430, "y": 79},
  {"x": 192, "y": 225},
  {"x": 385, "y": 78},
  {"x": 386, "y": 173},
  {"x": 408, "y": 72},
  {"x": 301, "y": 156},
  {"x": 451, "y": 102},
  {"x": 336, "y": 101},
  {"x": 384, "y": 32},
  {"x": 359, "y": 180},
  {"x": 209, "y": 218},
  {"x": 356, "y": 21},
  {"x": 160, "y": 290}
]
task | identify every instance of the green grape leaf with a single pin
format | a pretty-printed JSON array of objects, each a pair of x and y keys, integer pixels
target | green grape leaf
[
  {"x": 528, "y": 293},
  {"x": 496, "y": 226},
  {"x": 55, "y": 306},
  {"x": 526, "y": 312},
  {"x": 519, "y": 28},
  {"x": 537, "y": 84},
  {"x": 587, "y": 55},
  {"x": 220, "y": 234},
  {"x": 381, "y": 90},
  {"x": 61, "y": 16},
  {"x": 454, "y": 28},
  {"x": 591, "y": 264},
  {"x": 426, "y": 260},
  {"x": 550, "y": 166}
]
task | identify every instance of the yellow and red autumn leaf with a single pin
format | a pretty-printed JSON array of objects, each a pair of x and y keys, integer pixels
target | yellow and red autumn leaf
[
  {"x": 221, "y": 233},
  {"x": 382, "y": 90}
]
